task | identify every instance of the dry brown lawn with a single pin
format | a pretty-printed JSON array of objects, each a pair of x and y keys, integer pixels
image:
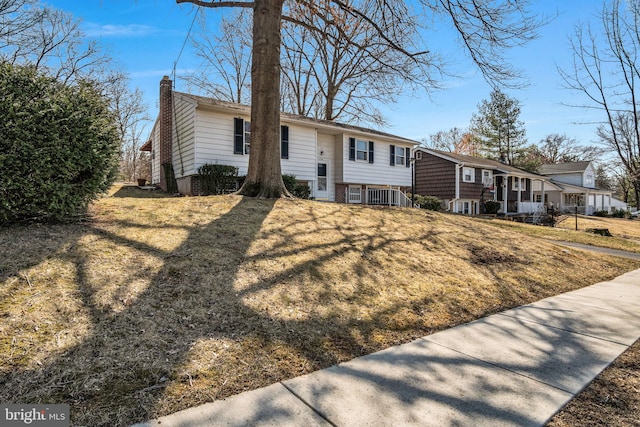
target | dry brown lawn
[
  {"x": 625, "y": 232},
  {"x": 619, "y": 227},
  {"x": 157, "y": 304}
]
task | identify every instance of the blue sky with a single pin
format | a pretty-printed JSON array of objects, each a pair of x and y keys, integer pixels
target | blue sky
[{"x": 146, "y": 36}]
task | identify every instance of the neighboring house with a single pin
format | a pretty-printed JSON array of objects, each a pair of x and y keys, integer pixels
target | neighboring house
[
  {"x": 464, "y": 182},
  {"x": 619, "y": 204},
  {"x": 577, "y": 188},
  {"x": 341, "y": 163}
]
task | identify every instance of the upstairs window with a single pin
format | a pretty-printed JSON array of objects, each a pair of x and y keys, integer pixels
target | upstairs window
[
  {"x": 241, "y": 136},
  {"x": 247, "y": 137},
  {"x": 284, "y": 142},
  {"x": 362, "y": 150},
  {"x": 487, "y": 178},
  {"x": 468, "y": 175},
  {"x": 400, "y": 156},
  {"x": 588, "y": 181},
  {"x": 400, "y": 159}
]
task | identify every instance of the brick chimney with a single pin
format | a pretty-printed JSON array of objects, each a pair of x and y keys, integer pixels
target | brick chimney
[{"x": 166, "y": 129}]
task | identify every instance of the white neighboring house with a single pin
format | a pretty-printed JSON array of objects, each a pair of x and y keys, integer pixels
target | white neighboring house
[
  {"x": 339, "y": 162},
  {"x": 576, "y": 182}
]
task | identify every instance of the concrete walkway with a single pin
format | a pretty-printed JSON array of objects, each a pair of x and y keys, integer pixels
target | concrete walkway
[
  {"x": 516, "y": 368},
  {"x": 606, "y": 251}
]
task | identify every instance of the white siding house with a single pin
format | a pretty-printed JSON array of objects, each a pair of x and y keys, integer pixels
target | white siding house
[
  {"x": 576, "y": 184},
  {"x": 335, "y": 160}
]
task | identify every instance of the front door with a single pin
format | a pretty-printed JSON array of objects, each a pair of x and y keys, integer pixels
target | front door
[{"x": 322, "y": 191}]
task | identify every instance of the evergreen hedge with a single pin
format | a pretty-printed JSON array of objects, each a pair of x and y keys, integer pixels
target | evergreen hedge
[{"x": 58, "y": 146}]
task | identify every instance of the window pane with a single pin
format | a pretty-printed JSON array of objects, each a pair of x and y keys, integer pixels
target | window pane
[
  {"x": 362, "y": 151},
  {"x": 322, "y": 169},
  {"x": 322, "y": 184}
]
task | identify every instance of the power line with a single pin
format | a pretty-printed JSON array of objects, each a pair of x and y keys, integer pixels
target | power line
[{"x": 184, "y": 43}]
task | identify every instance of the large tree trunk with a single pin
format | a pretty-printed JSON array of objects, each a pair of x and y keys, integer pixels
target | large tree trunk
[{"x": 264, "y": 177}]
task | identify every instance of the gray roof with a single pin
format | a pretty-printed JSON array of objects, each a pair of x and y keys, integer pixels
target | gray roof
[
  {"x": 561, "y": 168},
  {"x": 246, "y": 109},
  {"x": 481, "y": 162}
]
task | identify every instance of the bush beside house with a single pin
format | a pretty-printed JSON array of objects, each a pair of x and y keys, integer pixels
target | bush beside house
[{"x": 59, "y": 146}]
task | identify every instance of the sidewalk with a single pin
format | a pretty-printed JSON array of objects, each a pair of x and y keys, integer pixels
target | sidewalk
[{"x": 516, "y": 368}]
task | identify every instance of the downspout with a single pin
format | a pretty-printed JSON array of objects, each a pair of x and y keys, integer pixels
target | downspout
[{"x": 459, "y": 167}]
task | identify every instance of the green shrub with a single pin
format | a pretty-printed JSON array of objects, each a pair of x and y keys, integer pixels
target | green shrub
[
  {"x": 430, "y": 203},
  {"x": 217, "y": 179},
  {"x": 618, "y": 213},
  {"x": 492, "y": 207},
  {"x": 58, "y": 146},
  {"x": 301, "y": 191},
  {"x": 602, "y": 213}
]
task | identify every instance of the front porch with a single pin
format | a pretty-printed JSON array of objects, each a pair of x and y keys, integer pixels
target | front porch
[
  {"x": 517, "y": 196},
  {"x": 389, "y": 196},
  {"x": 586, "y": 203}
]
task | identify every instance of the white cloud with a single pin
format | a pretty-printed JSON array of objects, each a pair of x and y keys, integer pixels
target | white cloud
[
  {"x": 111, "y": 30},
  {"x": 159, "y": 73}
]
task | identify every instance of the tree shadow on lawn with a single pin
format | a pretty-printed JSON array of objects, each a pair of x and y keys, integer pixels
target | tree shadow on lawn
[
  {"x": 133, "y": 191},
  {"x": 147, "y": 345},
  {"x": 192, "y": 324}
]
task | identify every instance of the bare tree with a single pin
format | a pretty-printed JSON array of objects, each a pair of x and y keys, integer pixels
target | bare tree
[
  {"x": 225, "y": 68},
  {"x": 53, "y": 42},
  {"x": 455, "y": 140},
  {"x": 350, "y": 67},
  {"x": 130, "y": 115},
  {"x": 559, "y": 148},
  {"x": 16, "y": 17},
  {"x": 605, "y": 70},
  {"x": 487, "y": 29}
]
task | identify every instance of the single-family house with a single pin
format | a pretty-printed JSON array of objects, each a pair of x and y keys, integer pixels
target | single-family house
[
  {"x": 464, "y": 182},
  {"x": 339, "y": 162},
  {"x": 577, "y": 188}
]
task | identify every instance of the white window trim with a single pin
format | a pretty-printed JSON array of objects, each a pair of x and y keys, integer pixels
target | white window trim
[
  {"x": 468, "y": 171},
  {"x": 588, "y": 180},
  {"x": 400, "y": 159},
  {"x": 487, "y": 179},
  {"x": 365, "y": 151},
  {"x": 247, "y": 132},
  {"x": 514, "y": 183}
]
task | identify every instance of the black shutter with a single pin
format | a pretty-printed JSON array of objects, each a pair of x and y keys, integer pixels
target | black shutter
[
  {"x": 370, "y": 151},
  {"x": 238, "y": 136},
  {"x": 393, "y": 156},
  {"x": 284, "y": 142},
  {"x": 407, "y": 156},
  {"x": 352, "y": 149}
]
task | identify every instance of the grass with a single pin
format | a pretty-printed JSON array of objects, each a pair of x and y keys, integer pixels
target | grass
[
  {"x": 625, "y": 232},
  {"x": 157, "y": 304},
  {"x": 619, "y": 227}
]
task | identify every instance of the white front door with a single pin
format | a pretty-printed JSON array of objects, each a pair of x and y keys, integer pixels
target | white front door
[{"x": 322, "y": 190}]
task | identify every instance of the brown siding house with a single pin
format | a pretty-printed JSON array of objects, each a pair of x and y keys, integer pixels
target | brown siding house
[{"x": 464, "y": 182}]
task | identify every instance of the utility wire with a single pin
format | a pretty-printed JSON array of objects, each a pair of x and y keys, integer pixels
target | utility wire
[{"x": 184, "y": 43}]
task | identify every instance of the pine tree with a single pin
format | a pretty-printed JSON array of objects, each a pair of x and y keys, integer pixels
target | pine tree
[{"x": 499, "y": 133}]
